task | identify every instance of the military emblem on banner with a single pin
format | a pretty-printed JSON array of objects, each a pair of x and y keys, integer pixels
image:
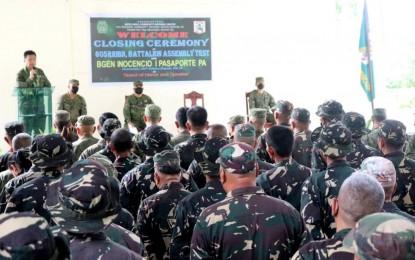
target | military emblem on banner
[
  {"x": 102, "y": 27},
  {"x": 199, "y": 27}
]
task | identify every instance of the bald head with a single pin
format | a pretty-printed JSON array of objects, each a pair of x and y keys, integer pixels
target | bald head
[
  {"x": 21, "y": 140},
  {"x": 217, "y": 130},
  {"x": 359, "y": 195}
]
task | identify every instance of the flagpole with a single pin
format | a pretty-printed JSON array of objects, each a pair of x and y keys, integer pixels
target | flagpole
[{"x": 369, "y": 55}]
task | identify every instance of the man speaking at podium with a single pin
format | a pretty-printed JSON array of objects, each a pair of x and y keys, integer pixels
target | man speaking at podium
[{"x": 31, "y": 101}]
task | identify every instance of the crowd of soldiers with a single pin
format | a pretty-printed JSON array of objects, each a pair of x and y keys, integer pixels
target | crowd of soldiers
[{"x": 211, "y": 191}]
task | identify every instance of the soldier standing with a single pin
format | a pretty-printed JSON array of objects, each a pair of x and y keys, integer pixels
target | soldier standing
[
  {"x": 259, "y": 98},
  {"x": 72, "y": 102},
  {"x": 285, "y": 180},
  {"x": 134, "y": 107},
  {"x": 371, "y": 139},
  {"x": 156, "y": 216},
  {"x": 32, "y": 101},
  {"x": 300, "y": 122},
  {"x": 248, "y": 224},
  {"x": 191, "y": 206},
  {"x": 321, "y": 188}
]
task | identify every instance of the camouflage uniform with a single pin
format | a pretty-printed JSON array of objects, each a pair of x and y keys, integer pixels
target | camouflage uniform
[
  {"x": 404, "y": 196},
  {"x": 93, "y": 149},
  {"x": 126, "y": 164},
  {"x": 76, "y": 107},
  {"x": 284, "y": 181},
  {"x": 248, "y": 224},
  {"x": 32, "y": 101},
  {"x": 180, "y": 138},
  {"x": 330, "y": 110},
  {"x": 261, "y": 149},
  {"x": 371, "y": 139},
  {"x": 191, "y": 149},
  {"x": 139, "y": 183},
  {"x": 134, "y": 110},
  {"x": 410, "y": 149},
  {"x": 264, "y": 100},
  {"x": 85, "y": 141},
  {"x": 320, "y": 189},
  {"x": 356, "y": 123},
  {"x": 302, "y": 139},
  {"x": 27, "y": 236},
  {"x": 191, "y": 206},
  {"x": 87, "y": 201},
  {"x": 109, "y": 126},
  {"x": 326, "y": 249},
  {"x": 48, "y": 153},
  {"x": 156, "y": 215},
  {"x": 384, "y": 236}
]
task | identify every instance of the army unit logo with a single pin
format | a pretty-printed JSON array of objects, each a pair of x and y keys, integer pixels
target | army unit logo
[
  {"x": 199, "y": 27},
  {"x": 102, "y": 27}
]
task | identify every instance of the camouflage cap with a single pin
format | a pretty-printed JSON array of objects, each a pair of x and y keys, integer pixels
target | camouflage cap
[
  {"x": 393, "y": 131},
  {"x": 13, "y": 128},
  {"x": 379, "y": 112},
  {"x": 259, "y": 79},
  {"x": 245, "y": 130},
  {"x": 167, "y": 159},
  {"x": 284, "y": 107},
  {"x": 110, "y": 169},
  {"x": 356, "y": 123},
  {"x": 237, "y": 158},
  {"x": 258, "y": 112},
  {"x": 154, "y": 140},
  {"x": 335, "y": 140},
  {"x": 330, "y": 109},
  {"x": 235, "y": 120},
  {"x": 109, "y": 126},
  {"x": 152, "y": 111},
  {"x": 88, "y": 199},
  {"x": 73, "y": 81},
  {"x": 51, "y": 151},
  {"x": 62, "y": 116},
  {"x": 384, "y": 236},
  {"x": 138, "y": 83},
  {"x": 26, "y": 235},
  {"x": 380, "y": 168},
  {"x": 211, "y": 154},
  {"x": 85, "y": 120},
  {"x": 301, "y": 114}
]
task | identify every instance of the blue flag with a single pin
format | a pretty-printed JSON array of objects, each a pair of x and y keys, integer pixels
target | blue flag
[{"x": 366, "y": 71}]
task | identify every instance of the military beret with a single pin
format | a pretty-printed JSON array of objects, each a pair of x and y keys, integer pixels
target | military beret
[
  {"x": 381, "y": 112},
  {"x": 13, "y": 128},
  {"x": 73, "y": 81},
  {"x": 393, "y": 131},
  {"x": 85, "y": 120},
  {"x": 62, "y": 116},
  {"x": 380, "y": 168},
  {"x": 88, "y": 199},
  {"x": 330, "y": 109},
  {"x": 28, "y": 236},
  {"x": 258, "y": 112},
  {"x": 154, "y": 139},
  {"x": 109, "y": 126},
  {"x": 356, "y": 123},
  {"x": 51, "y": 151},
  {"x": 167, "y": 159},
  {"x": 238, "y": 119},
  {"x": 335, "y": 140},
  {"x": 237, "y": 158},
  {"x": 245, "y": 130},
  {"x": 211, "y": 154},
  {"x": 152, "y": 111},
  {"x": 384, "y": 236},
  {"x": 138, "y": 83},
  {"x": 283, "y": 107},
  {"x": 301, "y": 114}
]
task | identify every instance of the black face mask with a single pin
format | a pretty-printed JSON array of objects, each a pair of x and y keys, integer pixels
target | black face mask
[
  {"x": 260, "y": 86},
  {"x": 74, "y": 90},
  {"x": 138, "y": 91}
]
